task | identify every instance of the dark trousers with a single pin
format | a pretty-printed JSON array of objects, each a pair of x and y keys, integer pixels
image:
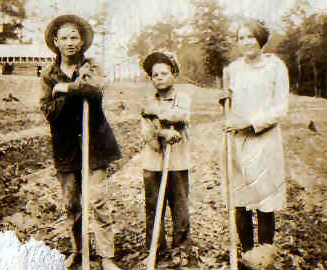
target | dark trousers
[
  {"x": 244, "y": 225},
  {"x": 177, "y": 191}
]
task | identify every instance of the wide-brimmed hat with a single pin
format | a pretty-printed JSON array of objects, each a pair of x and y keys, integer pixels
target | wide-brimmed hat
[
  {"x": 84, "y": 28},
  {"x": 160, "y": 57}
]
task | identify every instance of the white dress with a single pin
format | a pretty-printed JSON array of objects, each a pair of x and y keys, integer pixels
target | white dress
[{"x": 260, "y": 96}]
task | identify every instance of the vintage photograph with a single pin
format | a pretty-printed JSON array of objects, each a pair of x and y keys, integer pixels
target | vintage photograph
[{"x": 158, "y": 135}]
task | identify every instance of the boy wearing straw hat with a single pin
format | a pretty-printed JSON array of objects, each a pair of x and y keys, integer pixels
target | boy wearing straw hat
[
  {"x": 70, "y": 80},
  {"x": 165, "y": 119}
]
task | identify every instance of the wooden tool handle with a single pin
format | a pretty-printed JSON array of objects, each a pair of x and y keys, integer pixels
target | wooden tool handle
[
  {"x": 160, "y": 203},
  {"x": 85, "y": 189},
  {"x": 229, "y": 192}
]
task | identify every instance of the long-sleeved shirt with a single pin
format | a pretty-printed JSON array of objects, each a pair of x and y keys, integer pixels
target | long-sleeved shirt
[
  {"x": 64, "y": 113},
  {"x": 177, "y": 108}
]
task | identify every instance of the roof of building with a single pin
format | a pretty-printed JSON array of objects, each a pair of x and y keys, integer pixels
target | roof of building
[{"x": 25, "y": 50}]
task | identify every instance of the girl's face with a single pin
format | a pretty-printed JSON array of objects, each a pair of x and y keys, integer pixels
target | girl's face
[
  {"x": 162, "y": 77},
  {"x": 247, "y": 43},
  {"x": 68, "y": 40}
]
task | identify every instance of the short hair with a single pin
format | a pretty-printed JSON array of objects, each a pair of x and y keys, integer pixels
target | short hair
[{"x": 258, "y": 29}]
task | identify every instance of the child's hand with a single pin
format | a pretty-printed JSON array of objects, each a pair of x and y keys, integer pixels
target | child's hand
[
  {"x": 85, "y": 71},
  {"x": 170, "y": 136}
]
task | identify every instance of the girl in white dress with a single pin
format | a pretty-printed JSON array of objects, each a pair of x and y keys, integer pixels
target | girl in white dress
[{"x": 257, "y": 87}]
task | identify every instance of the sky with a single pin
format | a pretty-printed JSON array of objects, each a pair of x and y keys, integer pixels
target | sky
[
  {"x": 127, "y": 17},
  {"x": 269, "y": 11}
]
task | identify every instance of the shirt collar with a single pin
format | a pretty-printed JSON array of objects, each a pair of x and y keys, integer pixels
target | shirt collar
[
  {"x": 58, "y": 72},
  {"x": 169, "y": 97},
  {"x": 261, "y": 62}
]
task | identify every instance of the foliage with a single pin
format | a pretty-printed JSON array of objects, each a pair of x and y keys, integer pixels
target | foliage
[
  {"x": 12, "y": 15},
  {"x": 202, "y": 43},
  {"x": 211, "y": 27},
  {"x": 162, "y": 35},
  {"x": 302, "y": 47}
]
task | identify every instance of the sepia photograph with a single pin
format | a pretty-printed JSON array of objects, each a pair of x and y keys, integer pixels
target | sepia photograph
[{"x": 163, "y": 134}]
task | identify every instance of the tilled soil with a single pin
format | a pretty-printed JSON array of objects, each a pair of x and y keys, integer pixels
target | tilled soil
[{"x": 30, "y": 194}]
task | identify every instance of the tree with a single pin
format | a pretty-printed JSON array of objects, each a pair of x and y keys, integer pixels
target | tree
[
  {"x": 312, "y": 56},
  {"x": 289, "y": 45},
  {"x": 211, "y": 28},
  {"x": 162, "y": 35},
  {"x": 302, "y": 47},
  {"x": 12, "y": 14},
  {"x": 166, "y": 36},
  {"x": 190, "y": 56}
]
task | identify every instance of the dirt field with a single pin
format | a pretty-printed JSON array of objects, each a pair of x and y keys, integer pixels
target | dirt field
[{"x": 30, "y": 194}]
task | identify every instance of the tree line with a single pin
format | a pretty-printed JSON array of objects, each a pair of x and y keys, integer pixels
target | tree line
[
  {"x": 205, "y": 43},
  {"x": 12, "y": 15}
]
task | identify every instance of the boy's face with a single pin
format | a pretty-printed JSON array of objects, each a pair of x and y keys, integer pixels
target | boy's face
[
  {"x": 68, "y": 40},
  {"x": 162, "y": 77}
]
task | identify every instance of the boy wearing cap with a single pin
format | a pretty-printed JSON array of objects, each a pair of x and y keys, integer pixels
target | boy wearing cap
[
  {"x": 70, "y": 80},
  {"x": 165, "y": 119}
]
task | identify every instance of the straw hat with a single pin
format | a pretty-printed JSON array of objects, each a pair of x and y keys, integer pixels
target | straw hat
[
  {"x": 160, "y": 57},
  {"x": 84, "y": 28}
]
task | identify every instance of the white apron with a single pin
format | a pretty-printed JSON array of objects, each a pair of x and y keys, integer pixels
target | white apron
[{"x": 260, "y": 96}]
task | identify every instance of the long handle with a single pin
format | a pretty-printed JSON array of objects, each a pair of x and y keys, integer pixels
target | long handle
[
  {"x": 85, "y": 189},
  {"x": 229, "y": 197},
  {"x": 160, "y": 203}
]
